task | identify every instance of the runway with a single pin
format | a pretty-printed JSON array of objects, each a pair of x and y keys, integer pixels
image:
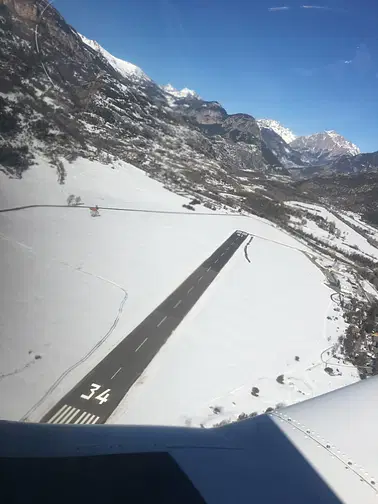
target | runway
[{"x": 98, "y": 394}]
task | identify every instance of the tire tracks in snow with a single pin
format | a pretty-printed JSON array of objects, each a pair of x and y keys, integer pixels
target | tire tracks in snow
[
  {"x": 88, "y": 354},
  {"x": 91, "y": 351},
  {"x": 18, "y": 370}
]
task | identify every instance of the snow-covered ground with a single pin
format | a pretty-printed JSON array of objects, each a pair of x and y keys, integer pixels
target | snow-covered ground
[
  {"x": 77, "y": 285},
  {"x": 357, "y": 221},
  {"x": 245, "y": 331},
  {"x": 345, "y": 237}
]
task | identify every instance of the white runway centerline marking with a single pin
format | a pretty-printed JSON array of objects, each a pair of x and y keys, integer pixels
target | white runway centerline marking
[
  {"x": 200, "y": 278},
  {"x": 143, "y": 342},
  {"x": 178, "y": 303},
  {"x": 162, "y": 320},
  {"x": 209, "y": 268},
  {"x": 216, "y": 261},
  {"x": 115, "y": 374},
  {"x": 191, "y": 288}
]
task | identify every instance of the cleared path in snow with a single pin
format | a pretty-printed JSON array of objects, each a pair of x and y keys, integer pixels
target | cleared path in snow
[{"x": 97, "y": 395}]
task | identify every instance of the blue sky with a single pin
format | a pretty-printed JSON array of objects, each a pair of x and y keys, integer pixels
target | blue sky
[{"x": 312, "y": 68}]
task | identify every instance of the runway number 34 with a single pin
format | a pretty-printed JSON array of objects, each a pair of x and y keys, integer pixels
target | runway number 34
[{"x": 101, "y": 398}]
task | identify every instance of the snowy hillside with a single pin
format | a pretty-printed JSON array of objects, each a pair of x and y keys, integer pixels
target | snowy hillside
[
  {"x": 125, "y": 68},
  {"x": 256, "y": 322},
  {"x": 277, "y": 127},
  {"x": 336, "y": 233}
]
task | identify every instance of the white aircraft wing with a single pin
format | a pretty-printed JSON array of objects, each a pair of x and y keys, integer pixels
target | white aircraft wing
[{"x": 324, "y": 450}]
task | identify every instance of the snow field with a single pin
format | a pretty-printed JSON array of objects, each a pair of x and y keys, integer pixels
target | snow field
[
  {"x": 244, "y": 332},
  {"x": 349, "y": 238},
  {"x": 69, "y": 273}
]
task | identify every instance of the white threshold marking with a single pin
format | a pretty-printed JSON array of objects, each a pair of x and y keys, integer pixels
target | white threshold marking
[
  {"x": 143, "y": 342},
  {"x": 85, "y": 418},
  {"x": 71, "y": 416},
  {"x": 178, "y": 303},
  {"x": 115, "y": 374},
  {"x": 191, "y": 288},
  {"x": 80, "y": 417},
  {"x": 200, "y": 278},
  {"x": 162, "y": 320},
  {"x": 66, "y": 415},
  {"x": 51, "y": 420},
  {"x": 63, "y": 413}
]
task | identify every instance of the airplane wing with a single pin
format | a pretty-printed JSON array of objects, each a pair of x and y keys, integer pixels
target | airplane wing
[{"x": 324, "y": 450}]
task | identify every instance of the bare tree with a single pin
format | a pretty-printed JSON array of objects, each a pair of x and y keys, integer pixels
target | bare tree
[{"x": 71, "y": 200}]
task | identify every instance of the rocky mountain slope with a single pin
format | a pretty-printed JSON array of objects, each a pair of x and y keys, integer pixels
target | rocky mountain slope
[
  {"x": 285, "y": 133},
  {"x": 327, "y": 151},
  {"x": 64, "y": 96},
  {"x": 289, "y": 157},
  {"x": 322, "y": 148},
  {"x": 361, "y": 163}
]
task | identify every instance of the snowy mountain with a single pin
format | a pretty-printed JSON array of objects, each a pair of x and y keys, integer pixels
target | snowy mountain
[
  {"x": 79, "y": 100},
  {"x": 324, "y": 147},
  {"x": 183, "y": 93},
  {"x": 285, "y": 133},
  {"x": 125, "y": 68},
  {"x": 288, "y": 157},
  {"x": 83, "y": 101}
]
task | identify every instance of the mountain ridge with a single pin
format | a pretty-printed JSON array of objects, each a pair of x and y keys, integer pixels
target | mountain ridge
[{"x": 324, "y": 147}]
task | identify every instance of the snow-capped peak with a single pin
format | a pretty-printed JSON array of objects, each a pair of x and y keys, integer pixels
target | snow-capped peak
[
  {"x": 329, "y": 140},
  {"x": 123, "y": 67},
  {"x": 274, "y": 125},
  {"x": 341, "y": 142},
  {"x": 183, "y": 93}
]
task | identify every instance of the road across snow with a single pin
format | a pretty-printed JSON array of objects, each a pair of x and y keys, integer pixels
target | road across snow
[{"x": 69, "y": 272}]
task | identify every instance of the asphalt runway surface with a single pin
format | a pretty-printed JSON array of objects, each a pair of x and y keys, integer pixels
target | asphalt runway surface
[{"x": 98, "y": 394}]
